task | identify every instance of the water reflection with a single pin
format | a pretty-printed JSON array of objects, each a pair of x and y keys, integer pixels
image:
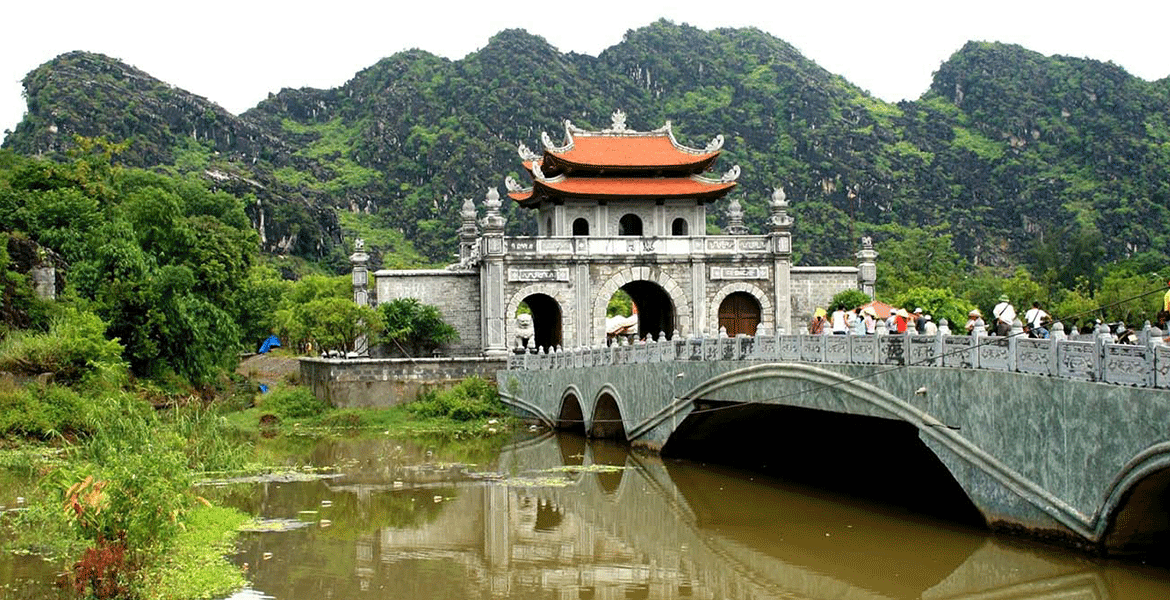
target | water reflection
[{"x": 544, "y": 519}]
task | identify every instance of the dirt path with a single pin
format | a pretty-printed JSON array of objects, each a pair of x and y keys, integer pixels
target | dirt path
[{"x": 269, "y": 368}]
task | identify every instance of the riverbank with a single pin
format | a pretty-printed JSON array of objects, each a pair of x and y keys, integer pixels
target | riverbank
[{"x": 107, "y": 482}]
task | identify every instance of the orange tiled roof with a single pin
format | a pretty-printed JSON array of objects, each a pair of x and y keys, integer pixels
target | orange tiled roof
[
  {"x": 625, "y": 187},
  {"x": 629, "y": 152}
]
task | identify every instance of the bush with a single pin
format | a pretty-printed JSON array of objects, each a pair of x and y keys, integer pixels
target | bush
[
  {"x": 413, "y": 327},
  {"x": 44, "y": 411},
  {"x": 849, "y": 299},
  {"x": 473, "y": 398},
  {"x": 74, "y": 349},
  {"x": 293, "y": 403}
]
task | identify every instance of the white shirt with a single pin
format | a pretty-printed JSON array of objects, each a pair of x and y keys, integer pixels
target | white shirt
[
  {"x": 1034, "y": 316},
  {"x": 839, "y": 321},
  {"x": 1004, "y": 311}
]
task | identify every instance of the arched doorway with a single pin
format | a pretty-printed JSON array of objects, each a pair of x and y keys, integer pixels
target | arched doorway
[
  {"x": 739, "y": 313},
  {"x": 653, "y": 308},
  {"x": 678, "y": 227},
  {"x": 546, "y": 320},
  {"x": 607, "y": 419},
  {"x": 580, "y": 226},
  {"x": 630, "y": 224}
]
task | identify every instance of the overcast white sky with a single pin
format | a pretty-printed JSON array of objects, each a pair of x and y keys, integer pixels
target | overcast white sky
[{"x": 236, "y": 52}]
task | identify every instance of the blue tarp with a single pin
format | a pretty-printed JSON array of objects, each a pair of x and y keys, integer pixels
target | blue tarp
[{"x": 271, "y": 342}]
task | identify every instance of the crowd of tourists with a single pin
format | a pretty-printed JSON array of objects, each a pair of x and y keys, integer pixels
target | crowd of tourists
[{"x": 1037, "y": 323}]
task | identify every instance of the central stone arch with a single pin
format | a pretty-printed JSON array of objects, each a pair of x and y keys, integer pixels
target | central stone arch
[{"x": 682, "y": 307}]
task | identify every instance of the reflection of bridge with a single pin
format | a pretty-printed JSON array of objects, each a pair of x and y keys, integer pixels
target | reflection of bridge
[
  {"x": 1023, "y": 426},
  {"x": 655, "y": 531}
]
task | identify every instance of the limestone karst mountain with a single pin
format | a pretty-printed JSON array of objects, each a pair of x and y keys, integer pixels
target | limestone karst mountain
[{"x": 1009, "y": 152}]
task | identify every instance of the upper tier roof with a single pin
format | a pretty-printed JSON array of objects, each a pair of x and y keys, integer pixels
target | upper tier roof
[
  {"x": 619, "y": 163},
  {"x": 619, "y": 148}
]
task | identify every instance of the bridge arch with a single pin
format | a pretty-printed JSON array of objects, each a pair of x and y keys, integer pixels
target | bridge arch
[
  {"x": 606, "y": 420},
  {"x": 549, "y": 324},
  {"x": 873, "y": 401},
  {"x": 680, "y": 308},
  {"x": 571, "y": 417},
  {"x": 766, "y": 313},
  {"x": 1136, "y": 513}
]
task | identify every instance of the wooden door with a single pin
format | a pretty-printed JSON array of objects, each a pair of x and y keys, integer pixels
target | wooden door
[{"x": 739, "y": 313}]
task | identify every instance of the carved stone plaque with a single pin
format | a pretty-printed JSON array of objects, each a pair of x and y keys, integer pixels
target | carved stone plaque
[
  {"x": 726, "y": 273},
  {"x": 521, "y": 275}
]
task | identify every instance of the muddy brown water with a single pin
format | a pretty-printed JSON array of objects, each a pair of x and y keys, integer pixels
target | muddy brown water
[{"x": 555, "y": 517}]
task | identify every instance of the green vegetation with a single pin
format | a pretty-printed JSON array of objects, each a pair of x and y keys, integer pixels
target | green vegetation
[{"x": 414, "y": 328}]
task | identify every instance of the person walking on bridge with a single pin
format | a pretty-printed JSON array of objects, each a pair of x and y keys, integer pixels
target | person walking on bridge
[{"x": 1003, "y": 313}]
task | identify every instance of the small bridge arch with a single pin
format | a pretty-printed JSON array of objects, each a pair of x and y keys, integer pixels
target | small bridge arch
[{"x": 606, "y": 420}]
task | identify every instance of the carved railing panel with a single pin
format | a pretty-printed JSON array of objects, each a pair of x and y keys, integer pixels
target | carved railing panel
[
  {"x": 763, "y": 348},
  {"x": 892, "y": 349},
  {"x": 958, "y": 351},
  {"x": 863, "y": 349},
  {"x": 922, "y": 350},
  {"x": 1126, "y": 365},
  {"x": 836, "y": 348},
  {"x": 812, "y": 348},
  {"x": 1035, "y": 356},
  {"x": 1077, "y": 360},
  {"x": 1162, "y": 366},
  {"x": 995, "y": 353},
  {"x": 789, "y": 349}
]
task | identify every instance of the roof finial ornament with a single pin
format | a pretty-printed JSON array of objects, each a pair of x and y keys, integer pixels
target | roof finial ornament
[
  {"x": 731, "y": 175},
  {"x": 525, "y": 153},
  {"x": 735, "y": 224},
  {"x": 779, "y": 198},
  {"x": 491, "y": 200},
  {"x": 714, "y": 144},
  {"x": 468, "y": 211},
  {"x": 618, "y": 120},
  {"x": 537, "y": 173},
  {"x": 512, "y": 184}
]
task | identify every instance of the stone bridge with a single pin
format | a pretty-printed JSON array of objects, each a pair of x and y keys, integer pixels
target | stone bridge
[{"x": 1067, "y": 439}]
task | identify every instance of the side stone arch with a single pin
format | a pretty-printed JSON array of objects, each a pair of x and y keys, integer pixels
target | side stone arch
[
  {"x": 558, "y": 293},
  {"x": 767, "y": 318},
  {"x": 682, "y": 306}
]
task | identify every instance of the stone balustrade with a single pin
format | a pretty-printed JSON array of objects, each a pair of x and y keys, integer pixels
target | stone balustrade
[
  {"x": 1087, "y": 358},
  {"x": 729, "y": 245}
]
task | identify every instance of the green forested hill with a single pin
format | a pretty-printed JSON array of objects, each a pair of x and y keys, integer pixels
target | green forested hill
[{"x": 1011, "y": 156}]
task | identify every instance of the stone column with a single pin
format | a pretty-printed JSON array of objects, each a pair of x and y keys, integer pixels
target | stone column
[
  {"x": 491, "y": 277},
  {"x": 780, "y": 242},
  {"x": 359, "y": 261},
  {"x": 867, "y": 267},
  {"x": 468, "y": 234}
]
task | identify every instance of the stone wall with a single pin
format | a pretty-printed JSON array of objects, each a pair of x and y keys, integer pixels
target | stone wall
[
  {"x": 455, "y": 293},
  {"x": 813, "y": 287},
  {"x": 381, "y": 383}
]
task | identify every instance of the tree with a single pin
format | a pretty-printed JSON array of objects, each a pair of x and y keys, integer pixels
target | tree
[{"x": 413, "y": 327}]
